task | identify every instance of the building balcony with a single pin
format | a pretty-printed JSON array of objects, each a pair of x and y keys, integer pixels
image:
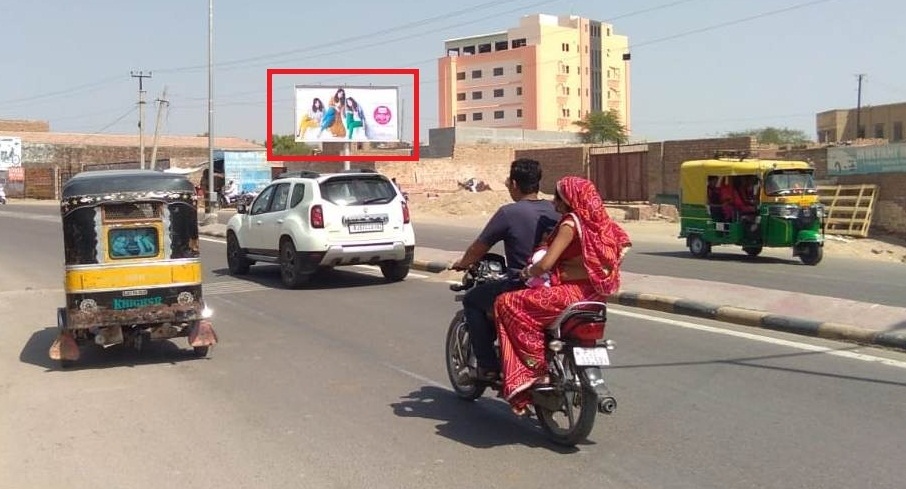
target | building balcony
[
  {"x": 562, "y": 100},
  {"x": 562, "y": 78},
  {"x": 614, "y": 84}
]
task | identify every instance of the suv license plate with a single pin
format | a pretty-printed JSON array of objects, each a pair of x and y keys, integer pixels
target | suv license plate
[
  {"x": 591, "y": 356},
  {"x": 366, "y": 227}
]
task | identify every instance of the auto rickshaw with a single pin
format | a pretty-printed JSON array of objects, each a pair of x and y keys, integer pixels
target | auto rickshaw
[
  {"x": 132, "y": 267},
  {"x": 775, "y": 205}
]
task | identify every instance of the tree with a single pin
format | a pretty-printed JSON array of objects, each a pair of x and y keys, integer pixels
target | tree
[
  {"x": 602, "y": 127},
  {"x": 287, "y": 145},
  {"x": 774, "y": 135}
]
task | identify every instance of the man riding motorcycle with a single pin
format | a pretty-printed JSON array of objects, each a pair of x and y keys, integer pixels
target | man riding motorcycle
[{"x": 521, "y": 225}]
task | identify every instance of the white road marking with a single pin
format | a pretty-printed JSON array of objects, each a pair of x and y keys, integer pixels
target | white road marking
[{"x": 763, "y": 339}]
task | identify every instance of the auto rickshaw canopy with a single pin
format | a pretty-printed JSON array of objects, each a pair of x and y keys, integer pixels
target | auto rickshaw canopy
[
  {"x": 91, "y": 188},
  {"x": 694, "y": 174}
]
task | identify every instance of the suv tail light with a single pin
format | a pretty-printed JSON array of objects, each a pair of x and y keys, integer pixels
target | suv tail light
[
  {"x": 405, "y": 213},
  {"x": 316, "y": 216}
]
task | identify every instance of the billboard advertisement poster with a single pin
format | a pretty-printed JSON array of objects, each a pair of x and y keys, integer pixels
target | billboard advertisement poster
[
  {"x": 249, "y": 169},
  {"x": 346, "y": 113},
  {"x": 888, "y": 158},
  {"x": 10, "y": 152},
  {"x": 377, "y": 112}
]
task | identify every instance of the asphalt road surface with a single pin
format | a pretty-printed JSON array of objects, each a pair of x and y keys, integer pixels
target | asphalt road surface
[{"x": 342, "y": 384}]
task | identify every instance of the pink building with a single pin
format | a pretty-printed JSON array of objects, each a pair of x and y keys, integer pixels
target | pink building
[{"x": 542, "y": 75}]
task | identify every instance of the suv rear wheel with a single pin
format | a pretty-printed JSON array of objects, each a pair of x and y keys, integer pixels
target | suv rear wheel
[
  {"x": 291, "y": 266},
  {"x": 394, "y": 271}
]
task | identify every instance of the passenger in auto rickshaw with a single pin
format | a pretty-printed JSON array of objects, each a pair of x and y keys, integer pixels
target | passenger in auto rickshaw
[{"x": 739, "y": 202}]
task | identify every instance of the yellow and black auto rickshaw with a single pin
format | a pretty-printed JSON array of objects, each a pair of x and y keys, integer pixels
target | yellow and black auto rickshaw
[
  {"x": 132, "y": 267},
  {"x": 775, "y": 205}
]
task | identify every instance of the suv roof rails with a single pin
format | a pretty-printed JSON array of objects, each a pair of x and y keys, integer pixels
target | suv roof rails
[
  {"x": 360, "y": 170},
  {"x": 298, "y": 174}
]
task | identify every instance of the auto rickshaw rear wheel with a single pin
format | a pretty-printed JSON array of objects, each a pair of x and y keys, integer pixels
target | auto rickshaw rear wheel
[{"x": 698, "y": 246}]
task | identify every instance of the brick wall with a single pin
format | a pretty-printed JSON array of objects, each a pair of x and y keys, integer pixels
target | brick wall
[
  {"x": 40, "y": 183},
  {"x": 557, "y": 163},
  {"x": 890, "y": 203},
  {"x": 48, "y": 155},
  {"x": 24, "y": 126}
]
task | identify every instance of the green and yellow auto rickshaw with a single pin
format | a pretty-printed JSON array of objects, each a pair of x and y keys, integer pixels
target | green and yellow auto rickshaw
[
  {"x": 752, "y": 203},
  {"x": 132, "y": 266}
]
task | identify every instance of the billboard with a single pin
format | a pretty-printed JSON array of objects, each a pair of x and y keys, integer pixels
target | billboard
[
  {"x": 249, "y": 169},
  {"x": 863, "y": 160},
  {"x": 10, "y": 152},
  {"x": 346, "y": 114}
]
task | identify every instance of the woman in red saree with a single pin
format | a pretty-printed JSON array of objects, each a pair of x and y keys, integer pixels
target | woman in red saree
[{"x": 583, "y": 257}]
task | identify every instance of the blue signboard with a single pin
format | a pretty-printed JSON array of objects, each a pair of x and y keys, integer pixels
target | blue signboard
[
  {"x": 889, "y": 158},
  {"x": 249, "y": 169}
]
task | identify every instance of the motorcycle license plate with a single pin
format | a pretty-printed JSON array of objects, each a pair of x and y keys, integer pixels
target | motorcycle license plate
[{"x": 591, "y": 356}]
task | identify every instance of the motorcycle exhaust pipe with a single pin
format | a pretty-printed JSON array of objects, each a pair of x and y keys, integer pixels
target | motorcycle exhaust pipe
[{"x": 607, "y": 405}]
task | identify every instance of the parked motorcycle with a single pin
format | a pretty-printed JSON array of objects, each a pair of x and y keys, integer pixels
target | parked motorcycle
[
  {"x": 2, "y": 195},
  {"x": 576, "y": 352}
]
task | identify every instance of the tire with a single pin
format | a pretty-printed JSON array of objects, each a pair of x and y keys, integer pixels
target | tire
[
  {"x": 578, "y": 405},
  {"x": 236, "y": 260},
  {"x": 811, "y": 253},
  {"x": 395, "y": 271},
  {"x": 752, "y": 251},
  {"x": 698, "y": 246},
  {"x": 460, "y": 361},
  {"x": 290, "y": 266}
]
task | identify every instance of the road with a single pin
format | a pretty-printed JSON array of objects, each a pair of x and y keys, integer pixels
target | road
[{"x": 342, "y": 384}]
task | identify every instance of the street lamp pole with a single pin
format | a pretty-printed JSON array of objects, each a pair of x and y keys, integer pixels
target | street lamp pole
[{"x": 212, "y": 194}]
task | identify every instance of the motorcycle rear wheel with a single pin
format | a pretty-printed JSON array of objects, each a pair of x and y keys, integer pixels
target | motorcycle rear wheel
[
  {"x": 460, "y": 361},
  {"x": 572, "y": 422}
]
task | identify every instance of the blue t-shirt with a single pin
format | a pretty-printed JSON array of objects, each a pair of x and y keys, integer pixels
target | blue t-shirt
[{"x": 520, "y": 225}]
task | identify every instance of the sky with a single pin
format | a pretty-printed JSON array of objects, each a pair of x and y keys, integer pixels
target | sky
[{"x": 699, "y": 68}]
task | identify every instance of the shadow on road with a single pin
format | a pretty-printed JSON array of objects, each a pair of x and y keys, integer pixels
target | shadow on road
[
  {"x": 484, "y": 423},
  {"x": 35, "y": 352},
  {"x": 328, "y": 279},
  {"x": 724, "y": 257}
]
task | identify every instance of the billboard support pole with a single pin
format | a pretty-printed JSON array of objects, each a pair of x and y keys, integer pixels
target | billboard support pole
[{"x": 346, "y": 153}]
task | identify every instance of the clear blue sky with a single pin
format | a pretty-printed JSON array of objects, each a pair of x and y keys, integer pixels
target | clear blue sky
[{"x": 699, "y": 67}]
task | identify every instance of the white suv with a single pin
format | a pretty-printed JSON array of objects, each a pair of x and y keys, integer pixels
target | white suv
[{"x": 305, "y": 221}]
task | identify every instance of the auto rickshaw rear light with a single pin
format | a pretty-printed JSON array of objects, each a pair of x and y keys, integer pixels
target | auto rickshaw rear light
[
  {"x": 405, "y": 212},
  {"x": 316, "y": 216}
]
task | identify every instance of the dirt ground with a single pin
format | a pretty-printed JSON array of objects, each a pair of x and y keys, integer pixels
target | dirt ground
[{"x": 474, "y": 208}]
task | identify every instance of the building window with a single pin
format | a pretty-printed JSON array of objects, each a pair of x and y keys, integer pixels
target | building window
[
  {"x": 484, "y": 48},
  {"x": 476, "y": 95},
  {"x": 476, "y": 116},
  {"x": 518, "y": 112},
  {"x": 460, "y": 117},
  {"x": 498, "y": 92},
  {"x": 518, "y": 43},
  {"x": 518, "y": 90},
  {"x": 476, "y": 73},
  {"x": 565, "y": 112},
  {"x": 498, "y": 71},
  {"x": 565, "y": 47},
  {"x": 498, "y": 114},
  {"x": 461, "y": 96},
  {"x": 518, "y": 69},
  {"x": 879, "y": 131},
  {"x": 501, "y": 46},
  {"x": 897, "y": 131},
  {"x": 453, "y": 52},
  {"x": 461, "y": 75},
  {"x": 468, "y": 50}
]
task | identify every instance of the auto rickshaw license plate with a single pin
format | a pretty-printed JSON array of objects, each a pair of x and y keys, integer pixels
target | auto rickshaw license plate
[{"x": 591, "y": 356}]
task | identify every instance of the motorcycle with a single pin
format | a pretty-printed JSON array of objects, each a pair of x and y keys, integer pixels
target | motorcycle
[
  {"x": 2, "y": 195},
  {"x": 576, "y": 352}
]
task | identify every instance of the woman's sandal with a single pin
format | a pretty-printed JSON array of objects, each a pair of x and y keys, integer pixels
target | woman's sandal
[{"x": 488, "y": 375}]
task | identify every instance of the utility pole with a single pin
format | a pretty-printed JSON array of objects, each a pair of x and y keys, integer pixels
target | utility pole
[
  {"x": 210, "y": 215},
  {"x": 141, "y": 114},
  {"x": 160, "y": 105},
  {"x": 859, "y": 133}
]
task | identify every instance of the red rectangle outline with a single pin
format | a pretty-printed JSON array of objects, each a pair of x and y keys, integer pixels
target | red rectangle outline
[{"x": 341, "y": 71}]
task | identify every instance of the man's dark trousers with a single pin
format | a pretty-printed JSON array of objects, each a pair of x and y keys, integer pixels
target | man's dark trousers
[{"x": 477, "y": 303}]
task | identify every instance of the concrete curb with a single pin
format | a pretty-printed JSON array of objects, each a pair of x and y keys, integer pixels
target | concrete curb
[
  {"x": 762, "y": 319},
  {"x": 430, "y": 266}
]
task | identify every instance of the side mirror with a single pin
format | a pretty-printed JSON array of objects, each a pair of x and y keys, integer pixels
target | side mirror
[{"x": 240, "y": 208}]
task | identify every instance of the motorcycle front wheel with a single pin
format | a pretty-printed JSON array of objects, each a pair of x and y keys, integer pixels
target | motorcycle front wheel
[
  {"x": 567, "y": 414},
  {"x": 461, "y": 361}
]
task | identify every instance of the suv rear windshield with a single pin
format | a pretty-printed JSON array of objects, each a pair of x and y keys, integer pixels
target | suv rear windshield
[{"x": 358, "y": 190}]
